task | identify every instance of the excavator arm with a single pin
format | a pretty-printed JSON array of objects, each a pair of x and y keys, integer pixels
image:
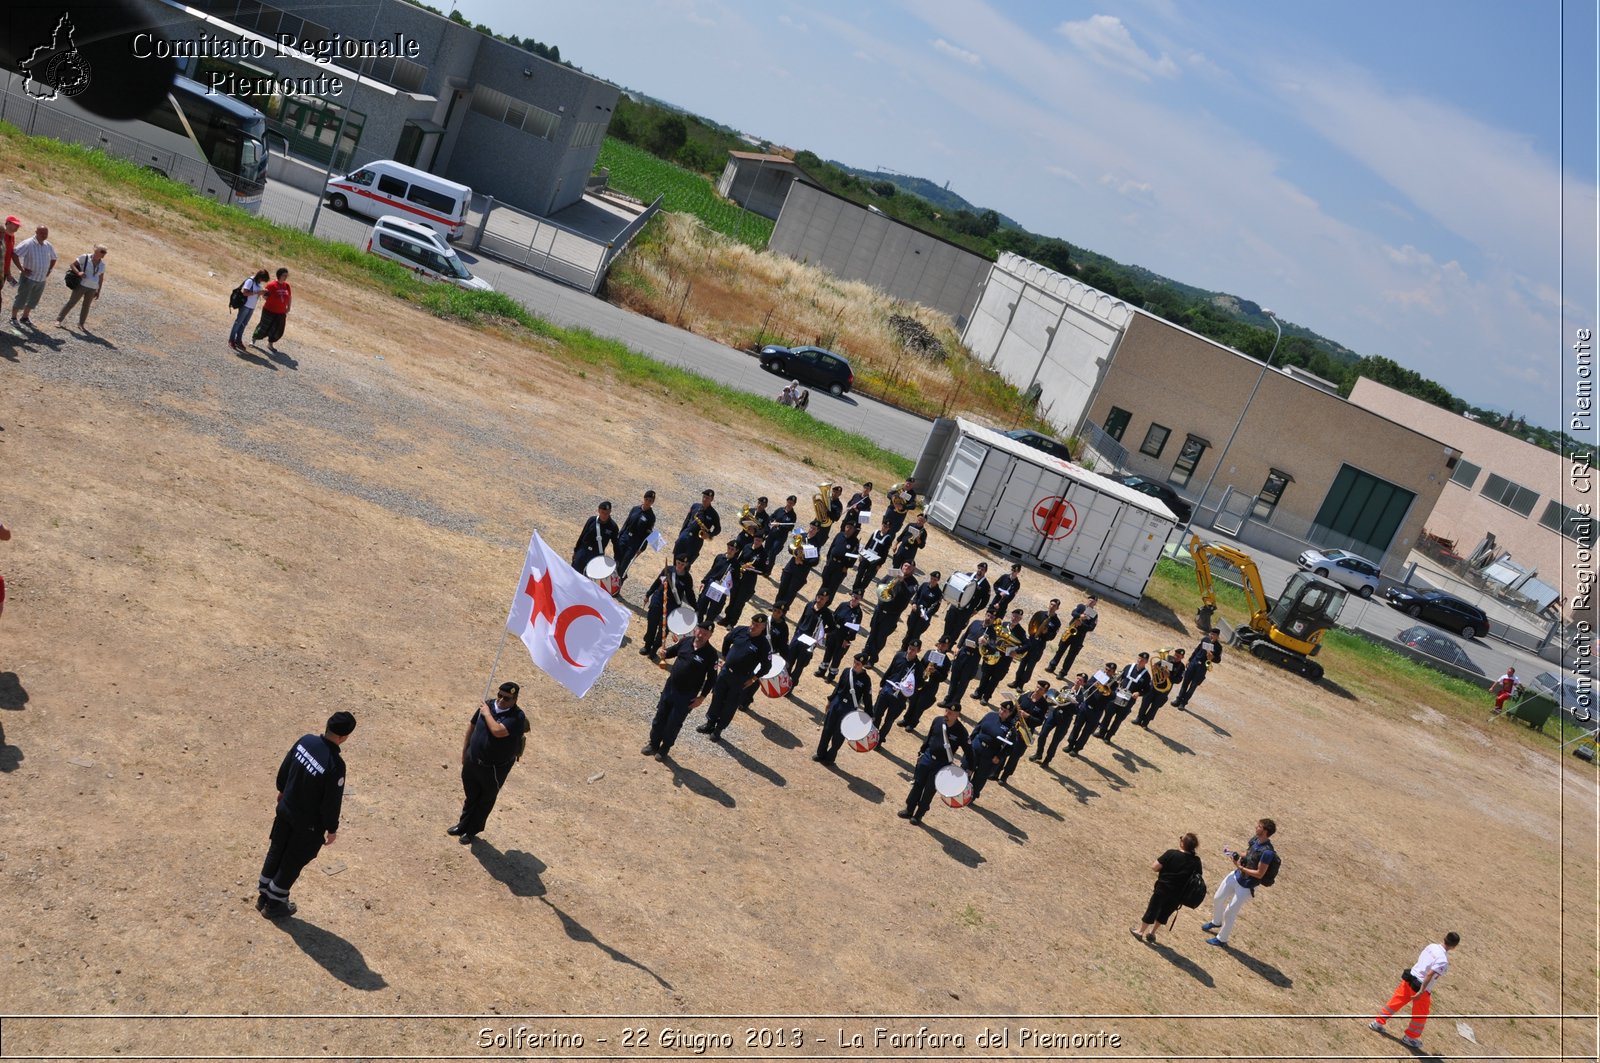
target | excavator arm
[{"x": 1254, "y": 594}]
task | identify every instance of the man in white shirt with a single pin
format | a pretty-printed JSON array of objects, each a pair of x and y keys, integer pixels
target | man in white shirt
[
  {"x": 35, "y": 257},
  {"x": 91, "y": 271},
  {"x": 1416, "y": 989}
]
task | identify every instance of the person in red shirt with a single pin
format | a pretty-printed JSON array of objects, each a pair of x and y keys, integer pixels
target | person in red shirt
[
  {"x": 8, "y": 236},
  {"x": 1503, "y": 689},
  {"x": 274, "y": 311}
]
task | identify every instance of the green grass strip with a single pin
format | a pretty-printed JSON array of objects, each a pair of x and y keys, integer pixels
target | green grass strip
[{"x": 484, "y": 310}]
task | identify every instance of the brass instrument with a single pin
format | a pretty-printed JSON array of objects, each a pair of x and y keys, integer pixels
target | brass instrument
[
  {"x": 1002, "y": 642},
  {"x": 820, "y": 502},
  {"x": 702, "y": 529},
  {"x": 1160, "y": 679},
  {"x": 1037, "y": 622},
  {"x": 797, "y": 545},
  {"x": 900, "y": 498},
  {"x": 1072, "y": 628},
  {"x": 886, "y": 592},
  {"x": 1024, "y": 732}
]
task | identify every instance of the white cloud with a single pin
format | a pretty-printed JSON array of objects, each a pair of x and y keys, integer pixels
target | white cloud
[
  {"x": 959, "y": 54},
  {"x": 1107, "y": 41},
  {"x": 799, "y": 27}
]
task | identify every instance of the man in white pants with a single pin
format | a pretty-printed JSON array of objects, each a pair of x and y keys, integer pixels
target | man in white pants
[{"x": 1239, "y": 886}]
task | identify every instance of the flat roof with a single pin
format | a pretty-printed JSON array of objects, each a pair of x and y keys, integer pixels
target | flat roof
[
  {"x": 756, "y": 156},
  {"x": 1104, "y": 484}
]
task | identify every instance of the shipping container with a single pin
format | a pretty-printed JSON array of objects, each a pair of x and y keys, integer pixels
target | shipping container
[{"x": 1047, "y": 513}]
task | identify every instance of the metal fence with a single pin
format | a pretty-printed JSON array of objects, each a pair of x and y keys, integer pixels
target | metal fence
[
  {"x": 1100, "y": 452},
  {"x": 549, "y": 248},
  {"x": 40, "y": 118}
]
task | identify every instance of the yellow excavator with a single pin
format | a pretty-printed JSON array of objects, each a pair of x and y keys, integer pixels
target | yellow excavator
[{"x": 1287, "y": 632}]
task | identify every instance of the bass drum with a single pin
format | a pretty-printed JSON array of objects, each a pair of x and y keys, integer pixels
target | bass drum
[
  {"x": 960, "y": 589},
  {"x": 681, "y": 621}
]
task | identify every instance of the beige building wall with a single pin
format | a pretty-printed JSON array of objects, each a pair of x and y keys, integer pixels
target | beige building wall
[
  {"x": 1166, "y": 375},
  {"x": 1464, "y": 512}
]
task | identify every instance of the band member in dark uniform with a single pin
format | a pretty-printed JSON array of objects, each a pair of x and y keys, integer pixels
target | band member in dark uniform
[
  {"x": 701, "y": 525},
  {"x": 310, "y": 795},
  {"x": 745, "y": 660},
  {"x": 1008, "y": 586},
  {"x": 842, "y": 637},
  {"x": 1042, "y": 627},
  {"x": 892, "y": 699},
  {"x": 1135, "y": 679},
  {"x": 860, "y": 502},
  {"x": 816, "y": 624},
  {"x": 947, "y": 735},
  {"x": 493, "y": 743},
  {"x": 759, "y": 635},
  {"x": 925, "y": 605},
  {"x": 778, "y": 635},
  {"x": 902, "y": 498},
  {"x": 867, "y": 569},
  {"x": 599, "y": 531},
  {"x": 635, "y": 530},
  {"x": 778, "y": 531},
  {"x": 959, "y": 616},
  {"x": 992, "y": 740},
  {"x": 853, "y": 692},
  {"x": 693, "y": 673},
  {"x": 744, "y": 578},
  {"x": 844, "y": 552},
  {"x": 931, "y": 671},
  {"x": 1083, "y": 620},
  {"x": 894, "y": 597},
  {"x": 720, "y": 575},
  {"x": 671, "y": 589},
  {"x": 835, "y": 505},
  {"x": 798, "y": 570},
  {"x": 1096, "y": 699},
  {"x": 1193, "y": 675},
  {"x": 969, "y": 658},
  {"x": 1058, "y": 723},
  {"x": 1005, "y": 639},
  {"x": 1032, "y": 710},
  {"x": 913, "y": 538},
  {"x": 1163, "y": 674}
]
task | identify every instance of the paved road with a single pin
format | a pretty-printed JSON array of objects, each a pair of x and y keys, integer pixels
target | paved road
[
  {"x": 893, "y": 429},
  {"x": 900, "y": 432}
]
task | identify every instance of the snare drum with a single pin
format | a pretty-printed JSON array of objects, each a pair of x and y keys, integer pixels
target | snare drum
[
  {"x": 953, "y": 786},
  {"x": 603, "y": 571},
  {"x": 777, "y": 683},
  {"x": 1122, "y": 696},
  {"x": 859, "y": 730},
  {"x": 681, "y": 620},
  {"x": 960, "y": 589}
]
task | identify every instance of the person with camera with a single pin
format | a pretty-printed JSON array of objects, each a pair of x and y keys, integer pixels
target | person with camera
[
  {"x": 1252, "y": 869},
  {"x": 1416, "y": 989}
]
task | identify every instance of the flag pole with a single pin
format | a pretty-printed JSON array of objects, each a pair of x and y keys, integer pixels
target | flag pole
[{"x": 495, "y": 666}]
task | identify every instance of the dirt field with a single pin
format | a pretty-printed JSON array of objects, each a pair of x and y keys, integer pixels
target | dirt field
[{"x": 211, "y": 554}]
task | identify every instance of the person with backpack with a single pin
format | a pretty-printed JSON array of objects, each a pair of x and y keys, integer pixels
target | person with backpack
[
  {"x": 495, "y": 740},
  {"x": 90, "y": 269},
  {"x": 1180, "y": 883},
  {"x": 243, "y": 300},
  {"x": 1256, "y": 866}
]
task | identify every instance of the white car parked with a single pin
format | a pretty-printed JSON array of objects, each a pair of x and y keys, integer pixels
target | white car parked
[
  {"x": 1350, "y": 570},
  {"x": 418, "y": 247}
]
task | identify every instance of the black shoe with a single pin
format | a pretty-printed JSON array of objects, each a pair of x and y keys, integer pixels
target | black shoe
[
  {"x": 261, "y": 901},
  {"x": 649, "y": 749},
  {"x": 279, "y": 909},
  {"x": 917, "y": 820},
  {"x": 1036, "y": 758},
  {"x": 455, "y": 832},
  {"x": 904, "y": 813},
  {"x": 715, "y": 736},
  {"x": 819, "y": 758},
  {"x": 468, "y": 839},
  {"x": 645, "y": 651},
  {"x": 704, "y": 729},
  {"x": 821, "y": 673}
]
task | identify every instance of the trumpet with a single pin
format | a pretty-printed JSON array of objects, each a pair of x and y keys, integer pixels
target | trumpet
[{"x": 820, "y": 502}]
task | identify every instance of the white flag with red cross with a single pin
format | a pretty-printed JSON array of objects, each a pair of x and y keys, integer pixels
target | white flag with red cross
[{"x": 569, "y": 623}]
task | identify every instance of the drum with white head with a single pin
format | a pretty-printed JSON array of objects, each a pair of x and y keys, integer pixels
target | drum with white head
[
  {"x": 777, "y": 682},
  {"x": 681, "y": 620},
  {"x": 859, "y": 730},
  {"x": 603, "y": 571},
  {"x": 960, "y": 589},
  {"x": 953, "y": 786}
]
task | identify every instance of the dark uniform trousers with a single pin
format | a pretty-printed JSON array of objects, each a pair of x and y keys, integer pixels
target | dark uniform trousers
[
  {"x": 744, "y": 588},
  {"x": 833, "y": 651},
  {"x": 1055, "y": 729},
  {"x": 726, "y": 699},
  {"x": 991, "y": 675},
  {"x": 1149, "y": 705},
  {"x": 921, "y": 701},
  {"x": 1114, "y": 716},
  {"x": 1191, "y": 682},
  {"x": 832, "y": 738},
  {"x": 791, "y": 583},
  {"x": 1029, "y": 661},
  {"x": 799, "y": 660},
  {"x": 289, "y": 850},
  {"x": 984, "y": 767},
  {"x": 884, "y": 621},
  {"x": 920, "y": 799},
  {"x": 1069, "y": 649},
  {"x": 1088, "y": 719},
  {"x": 480, "y": 782},
  {"x": 915, "y": 626},
  {"x": 890, "y": 704},
  {"x": 962, "y": 671},
  {"x": 655, "y": 625},
  {"x": 671, "y": 710}
]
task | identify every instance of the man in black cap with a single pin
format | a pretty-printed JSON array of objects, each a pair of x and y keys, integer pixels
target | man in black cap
[
  {"x": 494, "y": 742},
  {"x": 702, "y": 524},
  {"x": 310, "y": 793},
  {"x": 635, "y": 530},
  {"x": 946, "y": 736},
  {"x": 598, "y": 532}
]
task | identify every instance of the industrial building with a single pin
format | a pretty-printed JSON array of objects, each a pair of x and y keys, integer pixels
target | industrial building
[{"x": 759, "y": 182}]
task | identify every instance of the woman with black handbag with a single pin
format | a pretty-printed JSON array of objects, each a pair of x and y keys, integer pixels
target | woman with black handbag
[
  {"x": 1175, "y": 869},
  {"x": 86, "y": 277}
]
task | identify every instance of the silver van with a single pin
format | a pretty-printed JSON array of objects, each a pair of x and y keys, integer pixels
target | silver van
[{"x": 419, "y": 248}]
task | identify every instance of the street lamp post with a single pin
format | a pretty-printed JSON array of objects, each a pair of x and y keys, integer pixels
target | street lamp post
[{"x": 1240, "y": 422}]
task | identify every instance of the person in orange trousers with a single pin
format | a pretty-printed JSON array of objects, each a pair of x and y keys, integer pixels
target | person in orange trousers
[{"x": 1416, "y": 989}]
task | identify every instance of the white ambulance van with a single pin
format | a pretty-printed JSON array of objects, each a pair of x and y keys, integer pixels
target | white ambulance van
[{"x": 387, "y": 187}]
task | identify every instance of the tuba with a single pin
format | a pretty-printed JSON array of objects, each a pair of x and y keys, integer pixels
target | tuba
[
  {"x": 900, "y": 498},
  {"x": 1037, "y": 622},
  {"x": 819, "y": 502},
  {"x": 797, "y": 545},
  {"x": 1160, "y": 678},
  {"x": 747, "y": 518}
]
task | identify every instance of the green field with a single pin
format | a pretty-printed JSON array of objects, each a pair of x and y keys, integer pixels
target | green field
[{"x": 635, "y": 172}]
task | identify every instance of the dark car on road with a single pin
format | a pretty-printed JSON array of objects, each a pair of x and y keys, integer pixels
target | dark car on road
[
  {"x": 1038, "y": 441},
  {"x": 814, "y": 367},
  {"x": 1437, "y": 607},
  {"x": 1437, "y": 647},
  {"x": 1174, "y": 502}
]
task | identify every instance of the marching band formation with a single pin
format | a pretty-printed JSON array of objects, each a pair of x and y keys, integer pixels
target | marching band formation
[{"x": 983, "y": 638}]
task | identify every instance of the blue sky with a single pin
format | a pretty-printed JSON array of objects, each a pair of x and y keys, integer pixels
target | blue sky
[{"x": 1398, "y": 175}]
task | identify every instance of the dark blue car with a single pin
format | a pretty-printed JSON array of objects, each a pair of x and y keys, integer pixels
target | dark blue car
[{"x": 814, "y": 367}]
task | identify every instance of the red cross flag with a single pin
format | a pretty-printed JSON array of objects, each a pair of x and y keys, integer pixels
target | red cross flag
[{"x": 570, "y": 624}]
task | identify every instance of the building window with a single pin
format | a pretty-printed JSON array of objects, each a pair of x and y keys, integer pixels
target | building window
[
  {"x": 535, "y": 121},
  {"x": 1155, "y": 440},
  {"x": 1188, "y": 458},
  {"x": 1514, "y": 497},
  {"x": 1569, "y": 522},
  {"x": 1117, "y": 422},
  {"x": 1466, "y": 473},
  {"x": 1271, "y": 492},
  {"x": 588, "y": 134}
]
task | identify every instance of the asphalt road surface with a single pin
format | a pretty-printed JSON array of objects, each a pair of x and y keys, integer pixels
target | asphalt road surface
[{"x": 895, "y": 430}]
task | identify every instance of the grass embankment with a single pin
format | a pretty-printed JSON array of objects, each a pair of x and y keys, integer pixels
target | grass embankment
[
  {"x": 168, "y": 203},
  {"x": 637, "y": 173},
  {"x": 1374, "y": 673},
  {"x": 682, "y": 273}
]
